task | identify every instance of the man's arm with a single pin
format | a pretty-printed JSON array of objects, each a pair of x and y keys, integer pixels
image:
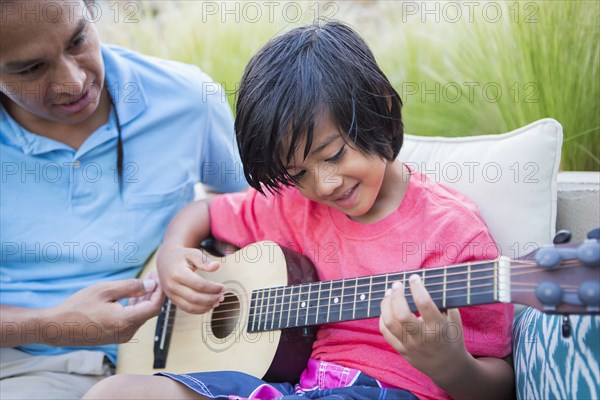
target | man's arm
[{"x": 91, "y": 317}]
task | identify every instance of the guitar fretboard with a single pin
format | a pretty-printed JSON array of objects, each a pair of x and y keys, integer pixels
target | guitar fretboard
[{"x": 349, "y": 299}]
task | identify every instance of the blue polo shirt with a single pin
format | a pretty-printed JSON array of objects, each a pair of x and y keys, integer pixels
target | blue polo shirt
[{"x": 63, "y": 223}]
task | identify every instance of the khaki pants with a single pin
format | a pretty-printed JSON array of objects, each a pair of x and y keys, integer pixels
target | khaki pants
[{"x": 65, "y": 376}]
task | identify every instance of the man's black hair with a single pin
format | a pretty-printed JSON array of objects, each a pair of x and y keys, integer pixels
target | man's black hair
[{"x": 319, "y": 68}]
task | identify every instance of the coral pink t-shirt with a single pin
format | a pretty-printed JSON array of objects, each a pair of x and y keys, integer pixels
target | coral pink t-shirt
[{"x": 434, "y": 226}]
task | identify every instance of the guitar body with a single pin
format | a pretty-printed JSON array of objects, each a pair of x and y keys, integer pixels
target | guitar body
[{"x": 212, "y": 344}]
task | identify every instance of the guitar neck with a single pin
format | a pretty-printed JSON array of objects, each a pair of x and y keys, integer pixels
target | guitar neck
[{"x": 349, "y": 299}]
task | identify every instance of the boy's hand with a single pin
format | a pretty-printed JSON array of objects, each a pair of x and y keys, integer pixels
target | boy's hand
[
  {"x": 176, "y": 267},
  {"x": 433, "y": 342}
]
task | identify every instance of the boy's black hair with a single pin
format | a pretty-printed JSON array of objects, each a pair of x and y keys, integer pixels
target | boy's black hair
[{"x": 294, "y": 77}]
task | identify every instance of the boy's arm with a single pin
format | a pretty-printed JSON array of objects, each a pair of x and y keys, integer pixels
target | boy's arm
[
  {"x": 478, "y": 378},
  {"x": 178, "y": 259},
  {"x": 190, "y": 226},
  {"x": 426, "y": 344}
]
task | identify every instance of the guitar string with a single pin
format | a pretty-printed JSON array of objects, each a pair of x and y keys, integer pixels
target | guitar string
[
  {"x": 314, "y": 318},
  {"x": 378, "y": 297},
  {"x": 366, "y": 285},
  {"x": 271, "y": 313},
  {"x": 283, "y": 304}
]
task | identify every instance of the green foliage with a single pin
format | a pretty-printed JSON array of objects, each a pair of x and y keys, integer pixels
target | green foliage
[{"x": 461, "y": 68}]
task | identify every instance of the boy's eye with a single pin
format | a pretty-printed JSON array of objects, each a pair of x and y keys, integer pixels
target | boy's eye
[
  {"x": 298, "y": 175},
  {"x": 338, "y": 156}
]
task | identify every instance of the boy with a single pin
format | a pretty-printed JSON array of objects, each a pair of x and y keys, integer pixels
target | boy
[{"x": 319, "y": 128}]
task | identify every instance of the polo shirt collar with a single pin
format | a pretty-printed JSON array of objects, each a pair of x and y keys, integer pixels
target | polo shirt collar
[
  {"x": 123, "y": 84},
  {"x": 29, "y": 142}
]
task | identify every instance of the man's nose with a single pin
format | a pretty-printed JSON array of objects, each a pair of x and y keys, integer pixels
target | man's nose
[{"x": 68, "y": 78}]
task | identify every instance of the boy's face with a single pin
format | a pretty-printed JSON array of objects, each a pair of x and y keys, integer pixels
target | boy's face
[{"x": 338, "y": 175}]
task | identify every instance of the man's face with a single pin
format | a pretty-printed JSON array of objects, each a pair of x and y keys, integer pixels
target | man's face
[{"x": 50, "y": 62}]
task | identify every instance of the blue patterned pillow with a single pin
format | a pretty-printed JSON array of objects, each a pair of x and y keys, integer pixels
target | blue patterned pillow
[{"x": 549, "y": 366}]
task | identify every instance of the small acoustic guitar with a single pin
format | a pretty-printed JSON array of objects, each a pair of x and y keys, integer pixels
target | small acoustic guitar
[{"x": 265, "y": 325}]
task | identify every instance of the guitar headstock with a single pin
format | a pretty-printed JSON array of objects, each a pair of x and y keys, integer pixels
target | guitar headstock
[{"x": 562, "y": 278}]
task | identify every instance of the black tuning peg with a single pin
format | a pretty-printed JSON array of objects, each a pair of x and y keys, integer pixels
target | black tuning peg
[
  {"x": 562, "y": 236},
  {"x": 594, "y": 233}
]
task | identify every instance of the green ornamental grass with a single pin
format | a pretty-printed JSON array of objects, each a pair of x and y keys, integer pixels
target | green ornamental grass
[{"x": 461, "y": 68}]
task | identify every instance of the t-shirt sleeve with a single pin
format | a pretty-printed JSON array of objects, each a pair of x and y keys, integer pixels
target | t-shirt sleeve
[
  {"x": 487, "y": 328},
  {"x": 247, "y": 217}
]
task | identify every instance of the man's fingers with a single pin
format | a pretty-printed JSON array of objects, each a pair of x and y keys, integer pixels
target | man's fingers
[
  {"x": 116, "y": 290},
  {"x": 143, "y": 310}
]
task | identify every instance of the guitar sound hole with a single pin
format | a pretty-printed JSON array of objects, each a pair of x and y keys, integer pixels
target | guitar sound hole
[{"x": 225, "y": 316}]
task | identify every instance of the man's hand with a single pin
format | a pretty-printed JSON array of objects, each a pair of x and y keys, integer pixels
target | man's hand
[{"x": 91, "y": 317}]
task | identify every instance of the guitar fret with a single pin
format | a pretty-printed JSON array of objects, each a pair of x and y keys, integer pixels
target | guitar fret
[
  {"x": 468, "y": 283},
  {"x": 260, "y": 309},
  {"x": 354, "y": 303},
  {"x": 347, "y": 300},
  {"x": 280, "y": 297},
  {"x": 251, "y": 314},
  {"x": 307, "y": 304},
  {"x": 290, "y": 306},
  {"x": 303, "y": 305},
  {"x": 484, "y": 282},
  {"x": 259, "y": 300},
  {"x": 360, "y": 298},
  {"x": 495, "y": 283},
  {"x": 268, "y": 311},
  {"x": 263, "y": 310},
  {"x": 436, "y": 286},
  {"x": 379, "y": 286},
  {"x": 369, "y": 301},
  {"x": 457, "y": 293},
  {"x": 318, "y": 305},
  {"x": 342, "y": 300},
  {"x": 329, "y": 300},
  {"x": 334, "y": 301},
  {"x": 298, "y": 304},
  {"x": 444, "y": 291}
]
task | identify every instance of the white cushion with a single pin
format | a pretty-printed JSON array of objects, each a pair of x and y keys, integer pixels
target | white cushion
[{"x": 511, "y": 177}]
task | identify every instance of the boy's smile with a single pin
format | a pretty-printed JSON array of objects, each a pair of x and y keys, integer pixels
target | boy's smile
[{"x": 336, "y": 174}]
